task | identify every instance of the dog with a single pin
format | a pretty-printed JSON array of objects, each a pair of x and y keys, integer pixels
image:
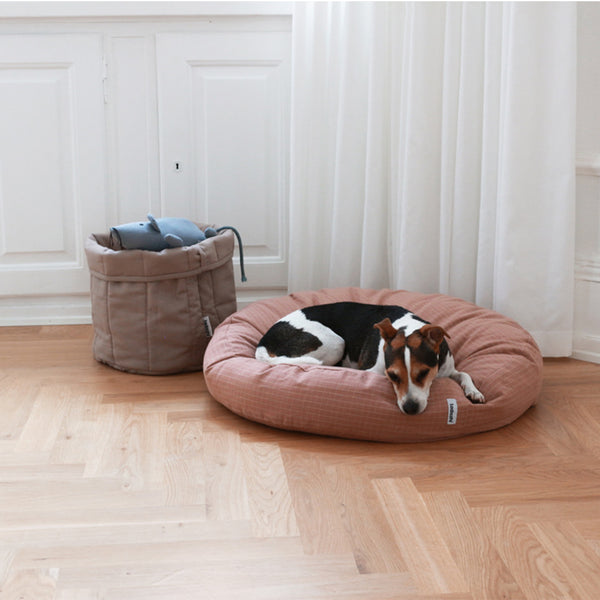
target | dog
[{"x": 389, "y": 340}]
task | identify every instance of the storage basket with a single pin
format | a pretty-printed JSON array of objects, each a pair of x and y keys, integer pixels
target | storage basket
[{"x": 153, "y": 312}]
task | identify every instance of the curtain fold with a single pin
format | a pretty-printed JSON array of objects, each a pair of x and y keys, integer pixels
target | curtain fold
[{"x": 433, "y": 150}]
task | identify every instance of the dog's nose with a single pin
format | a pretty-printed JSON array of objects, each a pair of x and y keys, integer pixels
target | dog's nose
[{"x": 410, "y": 407}]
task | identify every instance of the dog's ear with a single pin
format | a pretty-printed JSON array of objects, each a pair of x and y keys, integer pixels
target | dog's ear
[
  {"x": 386, "y": 329},
  {"x": 434, "y": 334}
]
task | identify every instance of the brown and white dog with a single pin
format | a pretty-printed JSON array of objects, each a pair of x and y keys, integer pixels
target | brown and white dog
[{"x": 389, "y": 340}]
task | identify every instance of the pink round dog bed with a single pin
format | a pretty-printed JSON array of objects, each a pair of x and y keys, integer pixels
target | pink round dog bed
[{"x": 501, "y": 357}]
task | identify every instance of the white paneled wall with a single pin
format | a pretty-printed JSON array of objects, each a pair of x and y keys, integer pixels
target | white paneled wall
[
  {"x": 52, "y": 166},
  {"x": 104, "y": 118}
]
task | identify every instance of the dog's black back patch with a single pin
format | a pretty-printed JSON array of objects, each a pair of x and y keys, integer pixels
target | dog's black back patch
[
  {"x": 354, "y": 322},
  {"x": 284, "y": 339}
]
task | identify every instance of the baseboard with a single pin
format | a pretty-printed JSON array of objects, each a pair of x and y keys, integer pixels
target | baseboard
[
  {"x": 586, "y": 347},
  {"x": 593, "y": 357},
  {"x": 45, "y": 310},
  {"x": 77, "y": 309}
]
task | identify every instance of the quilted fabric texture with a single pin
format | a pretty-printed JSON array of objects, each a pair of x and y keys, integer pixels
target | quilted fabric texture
[
  {"x": 153, "y": 311},
  {"x": 501, "y": 357}
]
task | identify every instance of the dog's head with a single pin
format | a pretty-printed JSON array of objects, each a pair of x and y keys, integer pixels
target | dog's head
[{"x": 411, "y": 363}]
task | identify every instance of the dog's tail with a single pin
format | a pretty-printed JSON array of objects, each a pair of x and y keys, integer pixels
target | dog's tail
[{"x": 262, "y": 354}]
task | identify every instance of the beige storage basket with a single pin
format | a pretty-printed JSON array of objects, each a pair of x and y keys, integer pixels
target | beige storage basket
[{"x": 154, "y": 312}]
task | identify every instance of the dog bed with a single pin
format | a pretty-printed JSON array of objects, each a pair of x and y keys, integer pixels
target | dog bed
[{"x": 501, "y": 357}]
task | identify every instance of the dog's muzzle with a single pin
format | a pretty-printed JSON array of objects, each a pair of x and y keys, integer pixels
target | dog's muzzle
[{"x": 412, "y": 407}]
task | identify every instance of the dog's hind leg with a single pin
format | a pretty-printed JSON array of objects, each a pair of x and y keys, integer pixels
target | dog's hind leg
[
  {"x": 296, "y": 340},
  {"x": 263, "y": 355}
]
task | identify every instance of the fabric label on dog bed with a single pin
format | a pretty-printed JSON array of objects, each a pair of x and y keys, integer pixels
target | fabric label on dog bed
[
  {"x": 452, "y": 411},
  {"x": 207, "y": 327}
]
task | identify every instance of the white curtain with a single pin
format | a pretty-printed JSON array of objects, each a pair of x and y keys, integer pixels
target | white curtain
[{"x": 433, "y": 150}]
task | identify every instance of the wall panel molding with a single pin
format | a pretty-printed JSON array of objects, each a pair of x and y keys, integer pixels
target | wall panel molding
[
  {"x": 52, "y": 160},
  {"x": 588, "y": 165},
  {"x": 152, "y": 10},
  {"x": 37, "y": 205},
  {"x": 588, "y": 269}
]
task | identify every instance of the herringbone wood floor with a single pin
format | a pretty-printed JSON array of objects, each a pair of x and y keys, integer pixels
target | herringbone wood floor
[{"x": 121, "y": 486}]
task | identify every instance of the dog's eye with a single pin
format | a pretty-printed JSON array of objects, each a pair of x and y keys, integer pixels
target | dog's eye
[
  {"x": 394, "y": 377},
  {"x": 421, "y": 375}
]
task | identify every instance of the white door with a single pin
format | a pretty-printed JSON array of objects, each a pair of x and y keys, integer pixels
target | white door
[
  {"x": 224, "y": 138},
  {"x": 51, "y": 161}
]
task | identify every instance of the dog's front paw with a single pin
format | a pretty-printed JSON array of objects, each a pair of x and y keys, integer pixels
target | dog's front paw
[
  {"x": 466, "y": 383},
  {"x": 475, "y": 396}
]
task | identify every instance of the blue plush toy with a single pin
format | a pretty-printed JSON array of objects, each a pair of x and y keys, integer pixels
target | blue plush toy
[
  {"x": 168, "y": 232},
  {"x": 159, "y": 234}
]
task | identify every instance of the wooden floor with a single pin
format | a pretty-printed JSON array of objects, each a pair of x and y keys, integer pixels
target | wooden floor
[{"x": 121, "y": 486}]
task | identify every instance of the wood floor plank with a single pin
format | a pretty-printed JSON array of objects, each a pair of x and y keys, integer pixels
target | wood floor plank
[
  {"x": 192, "y": 528},
  {"x": 423, "y": 548},
  {"x": 557, "y": 509},
  {"x": 357, "y": 587},
  {"x": 533, "y": 567},
  {"x": 16, "y": 401},
  {"x": 38, "y": 584},
  {"x": 364, "y": 521},
  {"x": 226, "y": 487},
  {"x": 588, "y": 527},
  {"x": 544, "y": 420},
  {"x": 184, "y": 471},
  {"x": 579, "y": 562},
  {"x": 45, "y": 419},
  {"x": 233, "y": 574},
  {"x": 117, "y": 523},
  {"x": 578, "y": 420},
  {"x": 487, "y": 482},
  {"x": 47, "y": 496},
  {"x": 75, "y": 440},
  {"x": 270, "y": 500},
  {"x": 6, "y": 558},
  {"x": 130, "y": 446},
  {"x": 104, "y": 458},
  {"x": 478, "y": 560},
  {"x": 316, "y": 508},
  {"x": 203, "y": 553},
  {"x": 79, "y": 594}
]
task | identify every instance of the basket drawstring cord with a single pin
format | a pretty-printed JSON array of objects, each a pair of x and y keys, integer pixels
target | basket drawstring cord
[{"x": 239, "y": 239}]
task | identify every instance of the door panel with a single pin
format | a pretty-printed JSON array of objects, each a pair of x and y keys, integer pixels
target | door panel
[
  {"x": 224, "y": 138},
  {"x": 51, "y": 160}
]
